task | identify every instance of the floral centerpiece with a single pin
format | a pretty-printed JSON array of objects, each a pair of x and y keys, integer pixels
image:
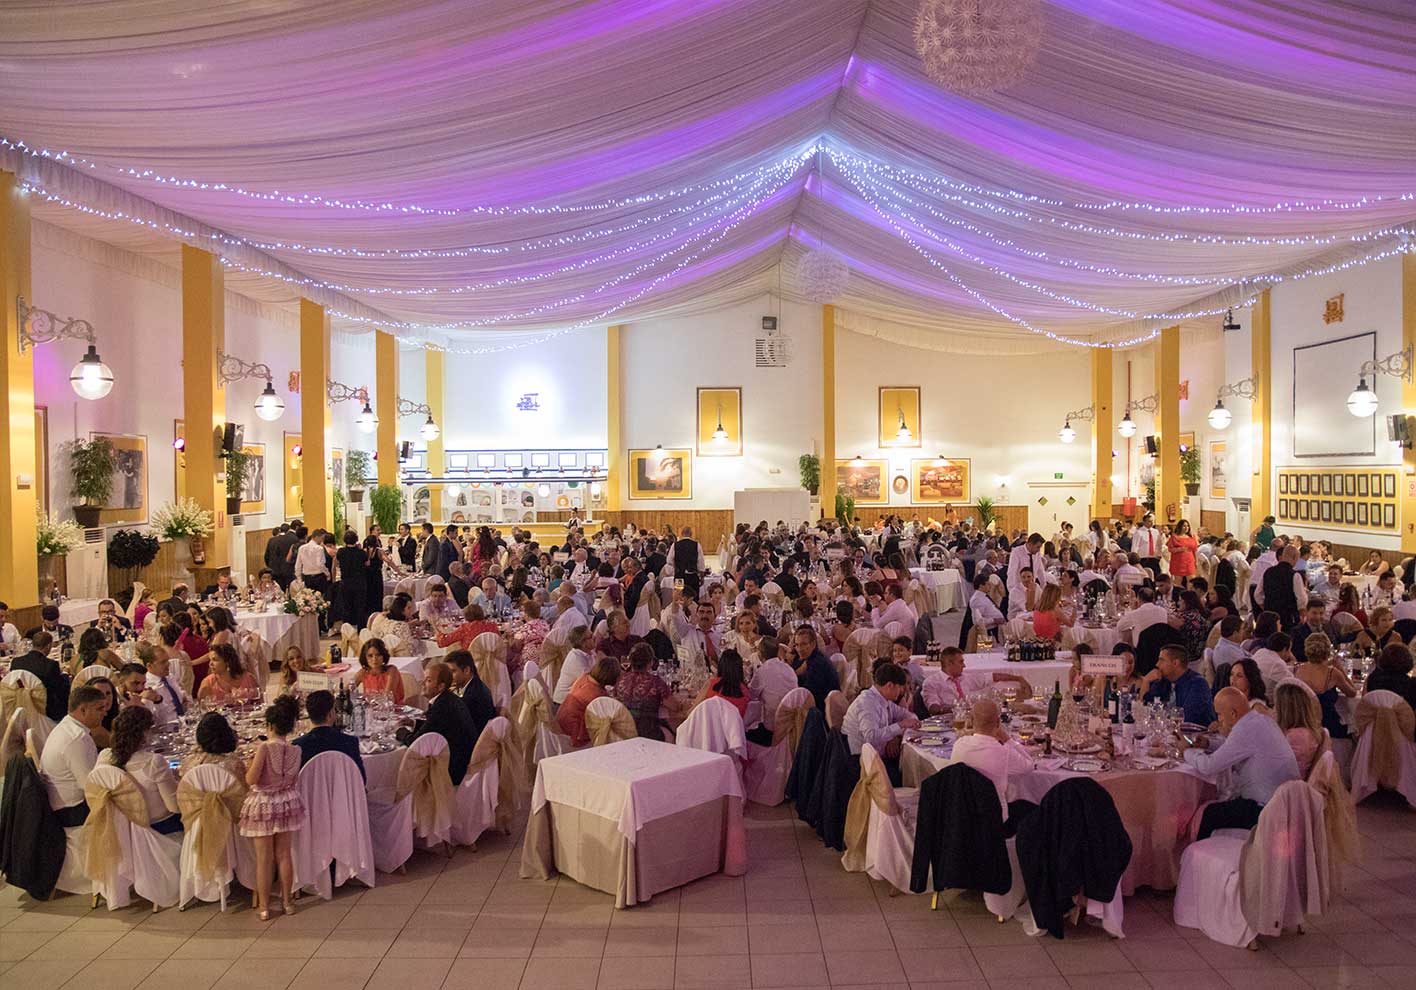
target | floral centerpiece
[
  {"x": 183, "y": 519},
  {"x": 303, "y": 601},
  {"x": 55, "y": 538}
]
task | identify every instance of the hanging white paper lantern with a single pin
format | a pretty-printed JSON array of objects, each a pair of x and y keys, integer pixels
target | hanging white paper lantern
[
  {"x": 974, "y": 47},
  {"x": 821, "y": 276}
]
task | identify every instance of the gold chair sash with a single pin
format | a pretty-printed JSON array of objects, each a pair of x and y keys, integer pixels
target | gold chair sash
[
  {"x": 217, "y": 812},
  {"x": 100, "y": 840},
  {"x": 861, "y": 653},
  {"x": 533, "y": 711},
  {"x": 790, "y": 724},
  {"x": 426, "y": 778},
  {"x": 874, "y": 787},
  {"x": 1391, "y": 728},
  {"x": 510, "y": 781},
  {"x": 488, "y": 651},
  {"x": 16, "y": 696},
  {"x": 603, "y": 731},
  {"x": 553, "y": 655}
]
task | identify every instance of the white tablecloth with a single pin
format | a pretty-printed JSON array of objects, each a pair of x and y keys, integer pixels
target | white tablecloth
[
  {"x": 381, "y": 771},
  {"x": 78, "y": 612},
  {"x": 280, "y": 630},
  {"x": 1101, "y": 640},
  {"x": 944, "y": 588},
  {"x": 1043, "y": 674},
  {"x": 635, "y": 782},
  {"x": 420, "y": 586}
]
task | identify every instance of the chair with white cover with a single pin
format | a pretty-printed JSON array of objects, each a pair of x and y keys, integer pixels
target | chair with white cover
[
  {"x": 1346, "y": 623},
  {"x": 12, "y": 741},
  {"x": 607, "y": 721},
  {"x": 121, "y": 851},
  {"x": 917, "y": 598},
  {"x": 412, "y": 691},
  {"x": 72, "y": 876},
  {"x": 836, "y": 708},
  {"x": 489, "y": 654},
  {"x": 1237, "y": 886},
  {"x": 1344, "y": 841},
  {"x": 336, "y": 829},
  {"x": 490, "y": 791},
  {"x": 893, "y": 631},
  {"x": 254, "y": 655},
  {"x": 880, "y": 825},
  {"x": 715, "y": 725},
  {"x": 90, "y": 672},
  {"x": 1018, "y": 628},
  {"x": 863, "y": 647},
  {"x": 765, "y": 776},
  {"x": 842, "y": 669},
  {"x": 422, "y": 807},
  {"x": 646, "y": 611},
  {"x": 213, "y": 849},
  {"x": 1385, "y": 756},
  {"x": 23, "y": 689}
]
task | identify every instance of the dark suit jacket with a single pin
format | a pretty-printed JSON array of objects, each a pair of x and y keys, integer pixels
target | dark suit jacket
[
  {"x": 459, "y": 589},
  {"x": 447, "y": 556},
  {"x": 430, "y": 555},
  {"x": 478, "y": 699},
  {"x": 59, "y": 632},
  {"x": 56, "y": 685},
  {"x": 408, "y": 551},
  {"x": 448, "y": 717},
  {"x": 328, "y": 739}
]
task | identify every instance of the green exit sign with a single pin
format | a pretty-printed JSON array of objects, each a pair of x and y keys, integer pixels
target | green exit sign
[{"x": 1058, "y": 476}]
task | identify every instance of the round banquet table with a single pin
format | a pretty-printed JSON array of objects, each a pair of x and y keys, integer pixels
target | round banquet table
[
  {"x": 1155, "y": 806},
  {"x": 1043, "y": 674},
  {"x": 280, "y": 630},
  {"x": 944, "y": 588},
  {"x": 1102, "y": 639}
]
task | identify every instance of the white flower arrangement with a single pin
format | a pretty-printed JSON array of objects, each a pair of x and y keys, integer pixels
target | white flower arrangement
[
  {"x": 55, "y": 538},
  {"x": 183, "y": 519},
  {"x": 303, "y": 601}
]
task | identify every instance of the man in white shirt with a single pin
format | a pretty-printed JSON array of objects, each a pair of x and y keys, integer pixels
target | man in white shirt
[
  {"x": 1264, "y": 561},
  {"x": 569, "y": 615},
  {"x": 577, "y": 663},
  {"x": 1023, "y": 602},
  {"x": 172, "y": 701},
  {"x": 1129, "y": 571},
  {"x": 312, "y": 563},
  {"x": 703, "y": 638},
  {"x": 1027, "y": 555},
  {"x": 877, "y": 717},
  {"x": 1230, "y": 646},
  {"x": 1404, "y": 609},
  {"x": 1389, "y": 590},
  {"x": 1090, "y": 573},
  {"x": 891, "y": 608},
  {"x": 770, "y": 684},
  {"x": 1146, "y": 542},
  {"x": 991, "y": 751},
  {"x": 1326, "y": 581},
  {"x": 69, "y": 754},
  {"x": 945, "y": 686},
  {"x": 1275, "y": 659},
  {"x": 1142, "y": 617},
  {"x": 986, "y": 614},
  {"x": 9, "y": 635},
  {"x": 439, "y": 608},
  {"x": 580, "y": 570}
]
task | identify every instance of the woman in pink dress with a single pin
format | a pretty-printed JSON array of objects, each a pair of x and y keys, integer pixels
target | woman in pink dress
[
  {"x": 227, "y": 682},
  {"x": 273, "y": 809},
  {"x": 527, "y": 641}
]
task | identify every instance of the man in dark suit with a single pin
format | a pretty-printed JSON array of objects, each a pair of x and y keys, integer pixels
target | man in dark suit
[
  {"x": 814, "y": 671},
  {"x": 56, "y": 685},
  {"x": 448, "y": 553},
  {"x": 457, "y": 585},
  {"x": 49, "y": 622},
  {"x": 324, "y": 737},
  {"x": 407, "y": 547},
  {"x": 280, "y": 555},
  {"x": 448, "y": 717},
  {"x": 472, "y": 690},
  {"x": 430, "y": 550}
]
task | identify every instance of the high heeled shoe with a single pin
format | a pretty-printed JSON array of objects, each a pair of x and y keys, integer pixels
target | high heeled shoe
[{"x": 287, "y": 905}]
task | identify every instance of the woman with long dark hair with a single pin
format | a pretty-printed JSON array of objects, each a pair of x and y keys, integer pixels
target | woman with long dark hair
[
  {"x": 127, "y": 750},
  {"x": 729, "y": 684}
]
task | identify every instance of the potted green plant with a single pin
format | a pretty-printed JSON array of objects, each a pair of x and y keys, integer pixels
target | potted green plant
[
  {"x": 1190, "y": 470},
  {"x": 810, "y": 467},
  {"x": 130, "y": 551},
  {"x": 845, "y": 509},
  {"x": 338, "y": 511},
  {"x": 91, "y": 464},
  {"x": 386, "y": 504},
  {"x": 358, "y": 464},
  {"x": 53, "y": 541},
  {"x": 238, "y": 465},
  {"x": 987, "y": 513}
]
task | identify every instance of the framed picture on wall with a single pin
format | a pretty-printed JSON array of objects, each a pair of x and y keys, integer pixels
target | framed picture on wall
[
  {"x": 1303, "y": 508},
  {"x": 1219, "y": 483},
  {"x": 253, "y": 492},
  {"x": 1389, "y": 485},
  {"x": 1327, "y": 484},
  {"x": 1302, "y": 484},
  {"x": 1389, "y": 516},
  {"x": 1283, "y": 484},
  {"x": 936, "y": 480},
  {"x": 661, "y": 473},
  {"x": 1362, "y": 514},
  {"x": 1376, "y": 514},
  {"x": 128, "y": 500},
  {"x": 900, "y": 424},
  {"x": 1349, "y": 513},
  {"x": 719, "y": 422},
  {"x": 1283, "y": 508},
  {"x": 1363, "y": 486},
  {"x": 1349, "y": 484},
  {"x": 295, "y": 478},
  {"x": 1376, "y": 483},
  {"x": 1327, "y": 512},
  {"x": 865, "y": 481}
]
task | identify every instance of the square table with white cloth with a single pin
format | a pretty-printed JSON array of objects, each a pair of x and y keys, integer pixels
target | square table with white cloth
[
  {"x": 635, "y": 818},
  {"x": 1040, "y": 674},
  {"x": 943, "y": 588},
  {"x": 280, "y": 630}
]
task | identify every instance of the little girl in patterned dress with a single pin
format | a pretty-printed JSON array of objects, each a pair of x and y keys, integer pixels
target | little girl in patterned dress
[{"x": 273, "y": 809}]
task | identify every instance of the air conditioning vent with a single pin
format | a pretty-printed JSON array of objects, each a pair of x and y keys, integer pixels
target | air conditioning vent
[
  {"x": 93, "y": 536},
  {"x": 773, "y": 351}
]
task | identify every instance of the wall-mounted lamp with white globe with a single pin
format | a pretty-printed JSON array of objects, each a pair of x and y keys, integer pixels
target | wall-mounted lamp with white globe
[
  {"x": 429, "y": 430},
  {"x": 269, "y": 406},
  {"x": 1127, "y": 426},
  {"x": 230, "y": 368},
  {"x": 90, "y": 378},
  {"x": 1220, "y": 417},
  {"x": 1067, "y": 434},
  {"x": 366, "y": 420},
  {"x": 1362, "y": 402}
]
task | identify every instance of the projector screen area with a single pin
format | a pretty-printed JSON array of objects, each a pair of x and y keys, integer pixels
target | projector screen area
[{"x": 1323, "y": 376}]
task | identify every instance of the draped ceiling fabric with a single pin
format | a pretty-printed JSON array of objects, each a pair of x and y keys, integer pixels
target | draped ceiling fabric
[{"x": 478, "y": 175}]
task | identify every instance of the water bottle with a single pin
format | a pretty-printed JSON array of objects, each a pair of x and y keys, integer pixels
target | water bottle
[
  {"x": 359, "y": 721},
  {"x": 1054, "y": 705}
]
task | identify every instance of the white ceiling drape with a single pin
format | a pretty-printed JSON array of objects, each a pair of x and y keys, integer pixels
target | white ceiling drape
[{"x": 478, "y": 175}]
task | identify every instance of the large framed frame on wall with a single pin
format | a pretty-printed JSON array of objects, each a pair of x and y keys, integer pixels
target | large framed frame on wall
[
  {"x": 900, "y": 421},
  {"x": 719, "y": 409},
  {"x": 1322, "y": 379},
  {"x": 1362, "y": 498},
  {"x": 128, "y": 501}
]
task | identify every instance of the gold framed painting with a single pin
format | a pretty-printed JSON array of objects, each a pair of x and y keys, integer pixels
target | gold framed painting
[
  {"x": 253, "y": 500},
  {"x": 294, "y": 477},
  {"x": 41, "y": 457},
  {"x": 719, "y": 422},
  {"x": 865, "y": 481},
  {"x": 1219, "y": 482},
  {"x": 900, "y": 424},
  {"x": 661, "y": 473},
  {"x": 128, "y": 501},
  {"x": 935, "y": 481}
]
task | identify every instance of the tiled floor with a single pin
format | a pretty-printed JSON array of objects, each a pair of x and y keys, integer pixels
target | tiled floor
[{"x": 796, "y": 920}]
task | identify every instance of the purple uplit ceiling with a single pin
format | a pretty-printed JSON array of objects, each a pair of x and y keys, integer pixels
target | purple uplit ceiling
[{"x": 653, "y": 106}]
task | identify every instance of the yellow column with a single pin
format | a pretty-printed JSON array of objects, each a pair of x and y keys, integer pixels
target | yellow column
[
  {"x": 614, "y": 428},
  {"x": 1261, "y": 487},
  {"x": 1103, "y": 498},
  {"x": 1167, "y": 424},
  {"x": 386, "y": 405},
  {"x": 19, "y": 566},
  {"x": 1408, "y": 403},
  {"x": 437, "y": 461},
  {"x": 203, "y": 394},
  {"x": 315, "y": 416},
  {"x": 828, "y": 410}
]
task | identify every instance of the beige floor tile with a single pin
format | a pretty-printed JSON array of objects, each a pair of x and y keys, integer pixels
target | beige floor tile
[
  {"x": 712, "y": 972},
  {"x": 1198, "y": 979},
  {"x": 260, "y": 974},
  {"x": 863, "y": 966},
  {"x": 646, "y": 941},
  {"x": 796, "y": 969},
  {"x": 356, "y": 944},
  {"x": 428, "y": 943},
  {"x": 142, "y": 943},
  {"x": 186, "y": 974},
  {"x": 113, "y": 974},
  {"x": 485, "y": 974},
  {"x": 492, "y": 942},
  {"x": 343, "y": 973},
  {"x": 514, "y": 916},
  {"x": 586, "y": 914},
  {"x": 561, "y": 974},
  {"x": 376, "y": 916},
  {"x": 927, "y": 965},
  {"x": 38, "y": 919},
  {"x": 1079, "y": 958},
  {"x": 1001, "y": 963},
  {"x": 410, "y": 974},
  {"x": 17, "y": 945},
  {"x": 1113, "y": 981},
  {"x": 569, "y": 943},
  {"x": 80, "y": 945},
  {"x": 935, "y": 933},
  {"x": 44, "y": 974},
  {"x": 725, "y": 941},
  {"x": 450, "y": 915},
  {"x": 1260, "y": 979},
  {"x": 215, "y": 945},
  {"x": 287, "y": 943},
  {"x": 1162, "y": 955},
  {"x": 649, "y": 973},
  {"x": 1346, "y": 978},
  {"x": 774, "y": 939}
]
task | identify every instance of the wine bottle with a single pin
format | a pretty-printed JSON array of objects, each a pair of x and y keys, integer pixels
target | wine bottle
[{"x": 1054, "y": 706}]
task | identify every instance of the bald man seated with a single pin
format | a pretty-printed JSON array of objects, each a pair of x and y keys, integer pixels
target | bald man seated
[
  {"x": 1255, "y": 749},
  {"x": 994, "y": 753}
]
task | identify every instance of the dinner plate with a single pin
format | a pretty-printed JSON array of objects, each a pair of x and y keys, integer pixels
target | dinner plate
[
  {"x": 1087, "y": 747},
  {"x": 1086, "y": 764}
]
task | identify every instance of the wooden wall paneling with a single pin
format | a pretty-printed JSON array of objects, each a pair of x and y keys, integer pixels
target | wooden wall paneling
[
  {"x": 709, "y": 525},
  {"x": 256, "y": 540},
  {"x": 159, "y": 575},
  {"x": 1213, "y": 522}
]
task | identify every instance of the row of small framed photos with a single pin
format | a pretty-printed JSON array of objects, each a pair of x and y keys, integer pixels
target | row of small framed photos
[
  {"x": 1340, "y": 482},
  {"x": 1369, "y": 515}
]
